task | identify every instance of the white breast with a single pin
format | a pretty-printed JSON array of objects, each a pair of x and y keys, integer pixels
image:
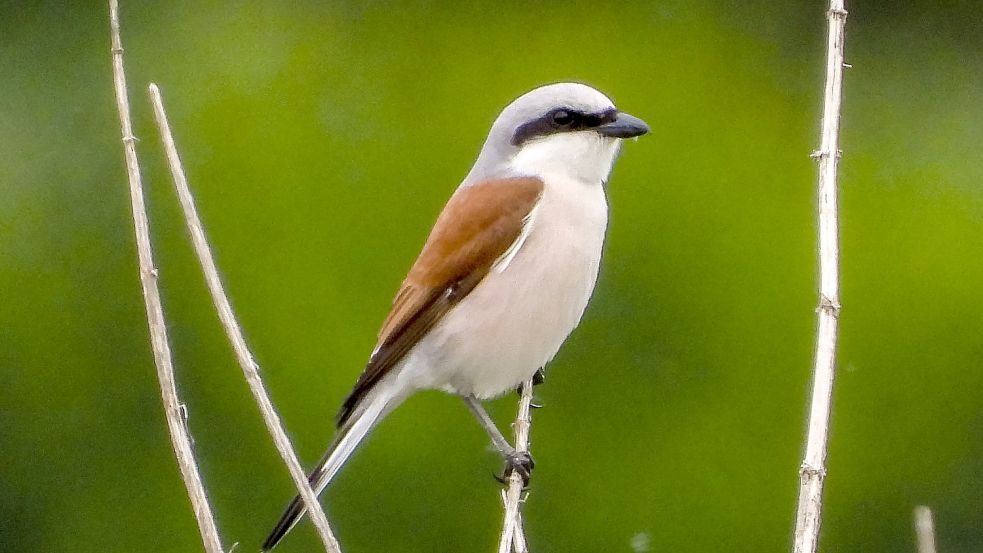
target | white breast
[{"x": 515, "y": 320}]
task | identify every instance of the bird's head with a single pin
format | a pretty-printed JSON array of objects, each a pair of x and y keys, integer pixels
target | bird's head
[{"x": 569, "y": 129}]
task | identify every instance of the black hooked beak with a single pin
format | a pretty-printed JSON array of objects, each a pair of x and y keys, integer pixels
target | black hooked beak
[{"x": 624, "y": 126}]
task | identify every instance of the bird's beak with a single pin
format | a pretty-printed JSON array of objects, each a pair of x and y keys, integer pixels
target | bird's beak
[{"x": 625, "y": 126}]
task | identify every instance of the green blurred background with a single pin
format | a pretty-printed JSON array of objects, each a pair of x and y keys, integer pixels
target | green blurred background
[{"x": 321, "y": 142}]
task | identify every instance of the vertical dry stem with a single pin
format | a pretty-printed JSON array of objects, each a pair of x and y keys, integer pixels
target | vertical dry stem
[
  {"x": 249, "y": 366},
  {"x": 513, "y": 538},
  {"x": 173, "y": 408},
  {"x": 813, "y": 471},
  {"x": 924, "y": 529}
]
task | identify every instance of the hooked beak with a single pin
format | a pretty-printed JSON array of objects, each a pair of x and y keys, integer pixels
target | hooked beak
[{"x": 625, "y": 126}]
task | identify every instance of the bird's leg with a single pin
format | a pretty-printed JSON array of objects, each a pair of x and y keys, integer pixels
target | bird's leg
[
  {"x": 515, "y": 461},
  {"x": 498, "y": 440}
]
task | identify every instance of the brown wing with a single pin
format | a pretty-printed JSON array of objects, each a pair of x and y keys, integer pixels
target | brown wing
[{"x": 477, "y": 226}]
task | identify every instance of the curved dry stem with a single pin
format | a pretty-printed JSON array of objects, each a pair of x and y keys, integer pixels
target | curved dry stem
[
  {"x": 174, "y": 410},
  {"x": 249, "y": 366}
]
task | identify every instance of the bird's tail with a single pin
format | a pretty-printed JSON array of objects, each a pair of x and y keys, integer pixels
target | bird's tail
[{"x": 376, "y": 405}]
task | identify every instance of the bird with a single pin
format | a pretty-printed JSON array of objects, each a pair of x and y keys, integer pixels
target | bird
[{"x": 504, "y": 276}]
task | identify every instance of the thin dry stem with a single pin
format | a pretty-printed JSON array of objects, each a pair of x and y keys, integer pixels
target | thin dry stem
[
  {"x": 174, "y": 410},
  {"x": 513, "y": 538},
  {"x": 924, "y": 529},
  {"x": 813, "y": 471},
  {"x": 519, "y": 536},
  {"x": 249, "y": 366}
]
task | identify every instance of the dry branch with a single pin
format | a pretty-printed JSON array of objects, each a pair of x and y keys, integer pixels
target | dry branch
[
  {"x": 813, "y": 470},
  {"x": 173, "y": 408},
  {"x": 513, "y": 538},
  {"x": 924, "y": 529},
  {"x": 249, "y": 366}
]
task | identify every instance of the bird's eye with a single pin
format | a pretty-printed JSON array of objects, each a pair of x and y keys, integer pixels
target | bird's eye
[{"x": 562, "y": 118}]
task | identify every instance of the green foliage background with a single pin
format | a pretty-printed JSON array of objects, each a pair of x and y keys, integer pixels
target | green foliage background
[{"x": 321, "y": 142}]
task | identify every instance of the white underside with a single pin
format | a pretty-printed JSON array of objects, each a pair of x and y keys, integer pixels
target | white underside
[{"x": 514, "y": 322}]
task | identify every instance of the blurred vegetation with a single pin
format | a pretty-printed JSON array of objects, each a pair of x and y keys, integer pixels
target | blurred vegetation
[{"x": 321, "y": 142}]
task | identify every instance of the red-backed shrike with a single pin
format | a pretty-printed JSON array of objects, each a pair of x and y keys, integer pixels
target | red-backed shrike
[{"x": 504, "y": 276}]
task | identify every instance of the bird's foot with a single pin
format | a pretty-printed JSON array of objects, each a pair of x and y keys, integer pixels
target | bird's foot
[
  {"x": 538, "y": 378},
  {"x": 518, "y": 462}
]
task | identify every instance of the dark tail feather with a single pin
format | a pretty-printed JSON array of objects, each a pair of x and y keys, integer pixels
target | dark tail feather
[
  {"x": 290, "y": 517},
  {"x": 371, "y": 409},
  {"x": 296, "y": 509}
]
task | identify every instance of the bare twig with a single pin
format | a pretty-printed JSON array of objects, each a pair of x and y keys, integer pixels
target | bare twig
[
  {"x": 519, "y": 536},
  {"x": 249, "y": 366},
  {"x": 924, "y": 529},
  {"x": 813, "y": 471},
  {"x": 513, "y": 538},
  {"x": 173, "y": 408}
]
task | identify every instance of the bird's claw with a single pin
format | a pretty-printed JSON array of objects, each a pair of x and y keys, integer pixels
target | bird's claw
[
  {"x": 520, "y": 463},
  {"x": 537, "y": 378}
]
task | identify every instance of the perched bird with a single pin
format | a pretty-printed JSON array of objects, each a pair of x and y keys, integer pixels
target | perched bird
[{"x": 505, "y": 275}]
